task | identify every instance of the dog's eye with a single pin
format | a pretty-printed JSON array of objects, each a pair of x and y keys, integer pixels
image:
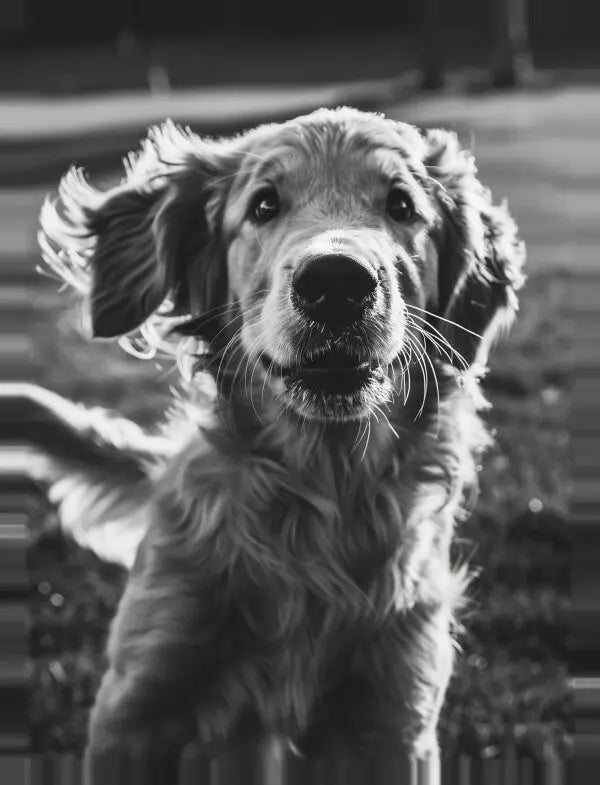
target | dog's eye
[
  {"x": 265, "y": 206},
  {"x": 399, "y": 205}
]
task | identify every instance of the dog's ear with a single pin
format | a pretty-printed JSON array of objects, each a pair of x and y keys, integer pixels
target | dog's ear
[
  {"x": 148, "y": 241},
  {"x": 480, "y": 255}
]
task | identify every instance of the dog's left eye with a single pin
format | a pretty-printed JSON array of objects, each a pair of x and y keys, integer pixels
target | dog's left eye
[
  {"x": 399, "y": 205},
  {"x": 265, "y": 206}
]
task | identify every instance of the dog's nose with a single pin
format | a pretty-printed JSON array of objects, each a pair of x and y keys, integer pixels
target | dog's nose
[{"x": 334, "y": 289}]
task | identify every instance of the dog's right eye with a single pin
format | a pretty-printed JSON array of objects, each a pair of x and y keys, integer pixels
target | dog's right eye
[{"x": 265, "y": 206}]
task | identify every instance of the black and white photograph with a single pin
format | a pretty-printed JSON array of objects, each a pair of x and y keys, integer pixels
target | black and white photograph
[{"x": 299, "y": 393}]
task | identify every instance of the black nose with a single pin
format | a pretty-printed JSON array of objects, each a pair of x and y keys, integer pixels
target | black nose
[{"x": 334, "y": 289}]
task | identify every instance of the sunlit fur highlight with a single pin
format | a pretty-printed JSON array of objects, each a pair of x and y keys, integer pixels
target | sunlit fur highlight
[{"x": 292, "y": 570}]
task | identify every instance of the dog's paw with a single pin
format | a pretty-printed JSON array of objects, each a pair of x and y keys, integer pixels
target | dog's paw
[{"x": 146, "y": 755}]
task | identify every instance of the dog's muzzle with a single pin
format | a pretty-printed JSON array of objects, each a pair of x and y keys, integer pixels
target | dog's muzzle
[{"x": 340, "y": 364}]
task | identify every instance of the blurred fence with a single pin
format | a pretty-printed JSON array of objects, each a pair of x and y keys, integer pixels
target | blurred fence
[{"x": 273, "y": 769}]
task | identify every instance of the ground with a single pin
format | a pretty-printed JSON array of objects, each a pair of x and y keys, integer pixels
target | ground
[{"x": 510, "y": 685}]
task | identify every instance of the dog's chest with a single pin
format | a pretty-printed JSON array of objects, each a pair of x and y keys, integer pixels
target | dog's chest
[
  {"x": 315, "y": 574},
  {"x": 311, "y": 560}
]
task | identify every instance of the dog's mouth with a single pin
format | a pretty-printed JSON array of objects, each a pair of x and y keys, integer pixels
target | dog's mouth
[
  {"x": 329, "y": 371},
  {"x": 329, "y": 383}
]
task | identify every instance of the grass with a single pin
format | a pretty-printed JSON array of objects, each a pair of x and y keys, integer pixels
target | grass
[{"x": 510, "y": 686}]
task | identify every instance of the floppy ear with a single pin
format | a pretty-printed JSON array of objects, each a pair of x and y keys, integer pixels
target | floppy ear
[
  {"x": 148, "y": 240},
  {"x": 480, "y": 256}
]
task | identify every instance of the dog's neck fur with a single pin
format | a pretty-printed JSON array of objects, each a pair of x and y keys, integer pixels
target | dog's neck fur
[{"x": 387, "y": 471}]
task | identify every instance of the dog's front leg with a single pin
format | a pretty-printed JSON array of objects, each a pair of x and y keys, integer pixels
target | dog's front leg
[
  {"x": 162, "y": 649},
  {"x": 412, "y": 664},
  {"x": 140, "y": 751},
  {"x": 387, "y": 705}
]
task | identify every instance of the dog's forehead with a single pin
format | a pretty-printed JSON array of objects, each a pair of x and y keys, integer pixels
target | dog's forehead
[
  {"x": 351, "y": 126},
  {"x": 332, "y": 140}
]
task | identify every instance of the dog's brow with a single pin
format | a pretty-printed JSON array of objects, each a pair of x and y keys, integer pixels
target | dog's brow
[
  {"x": 392, "y": 166},
  {"x": 398, "y": 152},
  {"x": 272, "y": 166},
  {"x": 390, "y": 170}
]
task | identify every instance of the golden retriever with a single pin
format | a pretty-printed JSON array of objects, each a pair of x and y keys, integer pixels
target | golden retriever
[{"x": 335, "y": 281}]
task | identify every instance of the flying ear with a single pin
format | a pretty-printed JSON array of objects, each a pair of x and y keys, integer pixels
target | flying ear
[
  {"x": 147, "y": 241},
  {"x": 480, "y": 255}
]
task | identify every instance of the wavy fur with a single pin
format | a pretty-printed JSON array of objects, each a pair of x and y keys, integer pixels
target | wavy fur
[{"x": 294, "y": 576}]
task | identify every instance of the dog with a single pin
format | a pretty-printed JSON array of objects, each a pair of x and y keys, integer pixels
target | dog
[{"x": 330, "y": 287}]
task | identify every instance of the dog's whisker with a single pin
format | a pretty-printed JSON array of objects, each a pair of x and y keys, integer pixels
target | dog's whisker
[
  {"x": 427, "y": 327},
  {"x": 405, "y": 359},
  {"x": 439, "y": 184},
  {"x": 426, "y": 338},
  {"x": 258, "y": 416},
  {"x": 356, "y": 437},
  {"x": 257, "y": 361},
  {"x": 437, "y": 389},
  {"x": 267, "y": 377},
  {"x": 438, "y": 344},
  {"x": 230, "y": 344},
  {"x": 387, "y": 419},
  {"x": 222, "y": 356},
  {"x": 211, "y": 314},
  {"x": 406, "y": 374},
  {"x": 225, "y": 371},
  {"x": 367, "y": 439},
  {"x": 209, "y": 352},
  {"x": 210, "y": 346},
  {"x": 258, "y": 339},
  {"x": 242, "y": 361},
  {"x": 247, "y": 313},
  {"x": 419, "y": 351},
  {"x": 425, "y": 375},
  {"x": 444, "y": 319}
]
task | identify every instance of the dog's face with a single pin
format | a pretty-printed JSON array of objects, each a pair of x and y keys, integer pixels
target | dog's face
[
  {"x": 329, "y": 237},
  {"x": 324, "y": 249}
]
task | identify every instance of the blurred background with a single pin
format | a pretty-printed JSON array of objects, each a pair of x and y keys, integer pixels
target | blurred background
[{"x": 79, "y": 82}]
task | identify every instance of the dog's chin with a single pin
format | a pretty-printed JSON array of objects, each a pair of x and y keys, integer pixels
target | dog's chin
[
  {"x": 331, "y": 386},
  {"x": 325, "y": 406}
]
